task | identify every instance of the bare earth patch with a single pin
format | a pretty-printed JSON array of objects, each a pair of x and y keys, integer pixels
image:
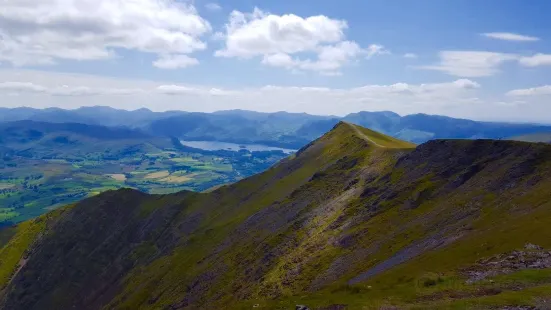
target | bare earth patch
[
  {"x": 178, "y": 178},
  {"x": 6, "y": 185},
  {"x": 157, "y": 175},
  {"x": 118, "y": 176}
]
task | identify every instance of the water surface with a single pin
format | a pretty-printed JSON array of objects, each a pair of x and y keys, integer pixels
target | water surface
[{"x": 217, "y": 145}]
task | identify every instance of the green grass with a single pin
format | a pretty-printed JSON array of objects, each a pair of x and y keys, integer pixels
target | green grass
[
  {"x": 7, "y": 214},
  {"x": 15, "y": 247},
  {"x": 382, "y": 139}
]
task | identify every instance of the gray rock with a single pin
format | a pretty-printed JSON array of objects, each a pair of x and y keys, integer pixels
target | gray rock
[{"x": 530, "y": 246}]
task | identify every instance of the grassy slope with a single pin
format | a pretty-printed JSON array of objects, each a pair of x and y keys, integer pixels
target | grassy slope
[
  {"x": 342, "y": 222},
  {"x": 18, "y": 241},
  {"x": 162, "y": 278}
]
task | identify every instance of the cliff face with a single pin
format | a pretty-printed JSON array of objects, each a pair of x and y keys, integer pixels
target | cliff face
[{"x": 355, "y": 218}]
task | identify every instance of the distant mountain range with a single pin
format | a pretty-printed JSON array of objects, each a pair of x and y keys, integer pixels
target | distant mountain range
[{"x": 291, "y": 130}]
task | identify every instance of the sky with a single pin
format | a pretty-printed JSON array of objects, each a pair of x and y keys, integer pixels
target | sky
[{"x": 484, "y": 60}]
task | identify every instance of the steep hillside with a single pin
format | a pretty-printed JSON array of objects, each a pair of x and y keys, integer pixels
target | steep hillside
[{"x": 354, "y": 220}]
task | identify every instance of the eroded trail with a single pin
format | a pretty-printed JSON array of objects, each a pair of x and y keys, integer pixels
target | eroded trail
[{"x": 364, "y": 136}]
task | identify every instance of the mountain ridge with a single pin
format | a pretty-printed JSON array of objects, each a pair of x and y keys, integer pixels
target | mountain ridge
[
  {"x": 281, "y": 129},
  {"x": 341, "y": 222}
]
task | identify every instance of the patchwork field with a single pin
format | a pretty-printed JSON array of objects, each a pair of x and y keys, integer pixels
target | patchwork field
[{"x": 34, "y": 182}]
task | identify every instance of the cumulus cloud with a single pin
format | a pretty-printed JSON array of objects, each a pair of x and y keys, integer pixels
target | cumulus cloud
[
  {"x": 288, "y": 41},
  {"x": 213, "y": 6},
  {"x": 260, "y": 33},
  {"x": 45, "y": 89},
  {"x": 63, "y": 90},
  {"x": 508, "y": 36},
  {"x": 421, "y": 89},
  {"x": 536, "y": 60},
  {"x": 22, "y": 87},
  {"x": 175, "y": 62},
  {"x": 410, "y": 55},
  {"x": 534, "y": 91},
  {"x": 375, "y": 49},
  {"x": 457, "y": 97},
  {"x": 329, "y": 60},
  {"x": 482, "y": 63},
  {"x": 44, "y": 32},
  {"x": 470, "y": 63},
  {"x": 175, "y": 90}
]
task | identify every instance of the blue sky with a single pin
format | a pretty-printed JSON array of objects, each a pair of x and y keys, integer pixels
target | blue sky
[{"x": 487, "y": 60}]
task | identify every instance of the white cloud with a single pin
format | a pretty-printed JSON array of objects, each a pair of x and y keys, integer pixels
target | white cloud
[
  {"x": 46, "y": 31},
  {"x": 22, "y": 87},
  {"x": 288, "y": 40},
  {"x": 63, "y": 90},
  {"x": 172, "y": 89},
  {"x": 175, "y": 62},
  {"x": 410, "y": 55},
  {"x": 260, "y": 33},
  {"x": 398, "y": 97},
  {"x": 329, "y": 60},
  {"x": 44, "y": 89},
  {"x": 535, "y": 91},
  {"x": 508, "y": 36},
  {"x": 279, "y": 60},
  {"x": 175, "y": 90},
  {"x": 213, "y": 6},
  {"x": 459, "y": 98},
  {"x": 421, "y": 89},
  {"x": 465, "y": 84},
  {"x": 470, "y": 63},
  {"x": 376, "y": 49},
  {"x": 536, "y": 60}
]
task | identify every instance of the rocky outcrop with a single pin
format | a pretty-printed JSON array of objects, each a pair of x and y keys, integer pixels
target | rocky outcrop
[{"x": 531, "y": 257}]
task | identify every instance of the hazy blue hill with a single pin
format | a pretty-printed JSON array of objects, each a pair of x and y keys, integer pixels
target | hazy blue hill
[
  {"x": 108, "y": 116},
  {"x": 291, "y": 130},
  {"x": 16, "y": 114},
  {"x": 312, "y": 129},
  {"x": 536, "y": 137},
  {"x": 277, "y": 129},
  {"x": 447, "y": 127},
  {"x": 385, "y": 121},
  {"x": 97, "y": 115},
  {"x": 33, "y": 129}
]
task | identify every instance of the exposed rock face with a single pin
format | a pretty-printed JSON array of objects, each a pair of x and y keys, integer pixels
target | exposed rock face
[{"x": 533, "y": 257}]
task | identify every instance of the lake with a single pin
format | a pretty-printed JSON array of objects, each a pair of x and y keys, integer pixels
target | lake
[{"x": 217, "y": 145}]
